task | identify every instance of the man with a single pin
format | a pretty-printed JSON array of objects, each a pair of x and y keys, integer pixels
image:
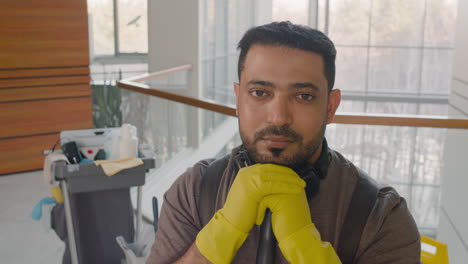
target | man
[{"x": 284, "y": 99}]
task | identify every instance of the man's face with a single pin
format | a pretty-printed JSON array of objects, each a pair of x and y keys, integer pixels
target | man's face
[{"x": 283, "y": 104}]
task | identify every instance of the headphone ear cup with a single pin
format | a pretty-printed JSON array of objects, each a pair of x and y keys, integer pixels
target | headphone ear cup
[
  {"x": 312, "y": 188},
  {"x": 312, "y": 178},
  {"x": 313, "y": 174}
]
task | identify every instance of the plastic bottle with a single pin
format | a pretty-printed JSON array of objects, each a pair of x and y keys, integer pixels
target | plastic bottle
[
  {"x": 111, "y": 144},
  {"x": 128, "y": 142}
]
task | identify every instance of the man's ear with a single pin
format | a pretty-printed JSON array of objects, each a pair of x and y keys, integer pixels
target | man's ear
[
  {"x": 236, "y": 91},
  {"x": 334, "y": 99}
]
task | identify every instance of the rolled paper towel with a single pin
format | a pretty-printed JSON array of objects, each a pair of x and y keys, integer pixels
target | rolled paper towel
[{"x": 128, "y": 142}]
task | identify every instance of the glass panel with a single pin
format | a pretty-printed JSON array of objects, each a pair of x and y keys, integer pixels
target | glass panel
[
  {"x": 440, "y": 23},
  {"x": 232, "y": 69},
  {"x": 224, "y": 23},
  {"x": 428, "y": 165},
  {"x": 220, "y": 76},
  {"x": 403, "y": 190},
  {"x": 394, "y": 108},
  {"x": 232, "y": 24},
  {"x": 322, "y": 16},
  {"x": 207, "y": 29},
  {"x": 240, "y": 15},
  {"x": 133, "y": 26},
  {"x": 101, "y": 20},
  {"x": 351, "y": 106},
  {"x": 394, "y": 70},
  {"x": 425, "y": 206},
  {"x": 208, "y": 77},
  {"x": 410, "y": 54},
  {"x": 381, "y": 151},
  {"x": 351, "y": 69},
  {"x": 409, "y": 159},
  {"x": 160, "y": 123},
  {"x": 213, "y": 121},
  {"x": 349, "y": 22},
  {"x": 101, "y": 73},
  {"x": 295, "y": 11},
  {"x": 436, "y": 71},
  {"x": 397, "y": 22},
  {"x": 434, "y": 109},
  {"x": 383, "y": 104},
  {"x": 106, "y": 96}
]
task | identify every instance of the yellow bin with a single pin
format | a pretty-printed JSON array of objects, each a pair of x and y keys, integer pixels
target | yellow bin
[{"x": 433, "y": 251}]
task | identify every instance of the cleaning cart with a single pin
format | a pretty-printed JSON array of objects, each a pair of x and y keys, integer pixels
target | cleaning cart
[{"x": 97, "y": 208}]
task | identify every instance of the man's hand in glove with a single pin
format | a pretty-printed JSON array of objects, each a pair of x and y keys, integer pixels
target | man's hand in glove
[
  {"x": 297, "y": 236},
  {"x": 220, "y": 239}
]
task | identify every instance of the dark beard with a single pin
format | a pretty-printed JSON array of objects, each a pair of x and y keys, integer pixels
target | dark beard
[
  {"x": 276, "y": 152},
  {"x": 306, "y": 149}
]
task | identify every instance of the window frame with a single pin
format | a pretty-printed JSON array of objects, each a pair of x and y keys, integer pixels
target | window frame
[{"x": 118, "y": 57}]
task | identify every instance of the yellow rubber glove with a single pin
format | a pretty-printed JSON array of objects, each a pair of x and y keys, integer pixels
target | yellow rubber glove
[
  {"x": 220, "y": 239},
  {"x": 297, "y": 236}
]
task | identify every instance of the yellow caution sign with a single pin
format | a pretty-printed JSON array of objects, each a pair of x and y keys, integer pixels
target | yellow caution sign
[{"x": 433, "y": 251}]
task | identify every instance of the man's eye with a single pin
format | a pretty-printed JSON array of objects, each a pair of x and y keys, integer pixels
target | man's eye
[
  {"x": 258, "y": 93},
  {"x": 305, "y": 97}
]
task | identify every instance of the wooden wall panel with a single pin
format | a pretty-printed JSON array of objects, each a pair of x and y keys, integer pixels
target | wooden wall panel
[
  {"x": 43, "y": 33},
  {"x": 45, "y": 92},
  {"x": 24, "y": 153},
  {"x": 42, "y": 81},
  {"x": 41, "y": 72},
  {"x": 44, "y": 116},
  {"x": 44, "y": 78}
]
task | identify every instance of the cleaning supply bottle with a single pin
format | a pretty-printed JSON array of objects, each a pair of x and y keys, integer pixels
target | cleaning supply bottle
[
  {"x": 111, "y": 144},
  {"x": 128, "y": 142}
]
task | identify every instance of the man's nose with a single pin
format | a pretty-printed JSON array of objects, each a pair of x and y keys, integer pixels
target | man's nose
[{"x": 279, "y": 112}]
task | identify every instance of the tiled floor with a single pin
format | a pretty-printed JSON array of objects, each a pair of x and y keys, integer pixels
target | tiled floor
[{"x": 23, "y": 240}]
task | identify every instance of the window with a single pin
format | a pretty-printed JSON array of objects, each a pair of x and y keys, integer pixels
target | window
[
  {"x": 394, "y": 57},
  {"x": 399, "y": 51},
  {"x": 295, "y": 11},
  {"x": 118, "y": 33},
  {"x": 118, "y": 27},
  {"x": 223, "y": 24}
]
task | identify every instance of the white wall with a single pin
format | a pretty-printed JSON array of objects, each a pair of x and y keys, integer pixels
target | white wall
[
  {"x": 173, "y": 40},
  {"x": 453, "y": 227},
  {"x": 173, "y": 35}
]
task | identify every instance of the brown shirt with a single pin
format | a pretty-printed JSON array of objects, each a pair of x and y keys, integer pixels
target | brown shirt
[{"x": 390, "y": 234}]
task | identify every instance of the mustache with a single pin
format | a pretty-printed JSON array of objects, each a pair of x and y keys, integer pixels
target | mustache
[{"x": 277, "y": 131}]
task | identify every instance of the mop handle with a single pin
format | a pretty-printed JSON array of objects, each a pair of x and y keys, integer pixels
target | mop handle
[{"x": 267, "y": 246}]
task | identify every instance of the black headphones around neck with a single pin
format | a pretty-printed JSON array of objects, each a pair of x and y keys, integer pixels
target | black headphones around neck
[{"x": 312, "y": 174}]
